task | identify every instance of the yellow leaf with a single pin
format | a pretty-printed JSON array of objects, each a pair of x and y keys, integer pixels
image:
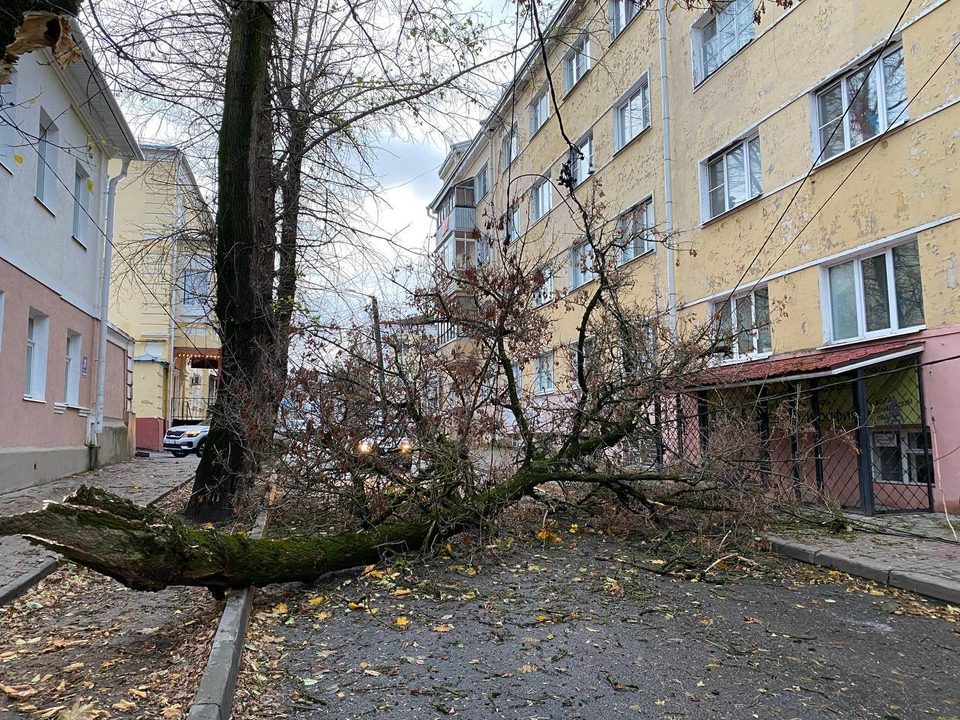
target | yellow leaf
[
  {"x": 442, "y": 628},
  {"x": 402, "y": 592},
  {"x": 280, "y": 609},
  {"x": 542, "y": 618},
  {"x": 317, "y": 600},
  {"x": 323, "y": 615},
  {"x": 90, "y": 184},
  {"x": 354, "y": 606},
  {"x": 528, "y": 668},
  {"x": 401, "y": 621},
  {"x": 73, "y": 666},
  {"x": 18, "y": 158}
]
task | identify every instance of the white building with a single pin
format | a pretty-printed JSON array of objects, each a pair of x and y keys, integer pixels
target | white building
[{"x": 59, "y": 127}]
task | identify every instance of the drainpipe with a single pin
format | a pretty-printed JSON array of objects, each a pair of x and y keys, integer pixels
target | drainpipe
[
  {"x": 171, "y": 356},
  {"x": 667, "y": 169},
  {"x": 105, "y": 302}
]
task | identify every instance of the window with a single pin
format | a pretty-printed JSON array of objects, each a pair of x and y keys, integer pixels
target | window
[
  {"x": 71, "y": 369},
  {"x": 510, "y": 147},
  {"x": 461, "y": 252},
  {"x": 745, "y": 322},
  {"x": 632, "y": 116},
  {"x": 861, "y": 104},
  {"x": 541, "y": 199},
  {"x": 634, "y": 237},
  {"x": 196, "y": 288},
  {"x": 480, "y": 183},
  {"x": 621, "y": 13},
  {"x": 8, "y": 122},
  {"x": 734, "y": 176},
  {"x": 576, "y": 63},
  {"x": 581, "y": 160},
  {"x": 539, "y": 110},
  {"x": 589, "y": 354},
  {"x": 581, "y": 265},
  {"x": 514, "y": 230},
  {"x": 901, "y": 456},
  {"x": 544, "y": 293},
  {"x": 47, "y": 154},
  {"x": 35, "y": 368},
  {"x": 719, "y": 35},
  {"x": 543, "y": 378},
  {"x": 876, "y": 294},
  {"x": 82, "y": 190}
]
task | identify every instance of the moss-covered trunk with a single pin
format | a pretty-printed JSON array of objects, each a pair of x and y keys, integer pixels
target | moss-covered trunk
[
  {"x": 244, "y": 416},
  {"x": 148, "y": 550}
]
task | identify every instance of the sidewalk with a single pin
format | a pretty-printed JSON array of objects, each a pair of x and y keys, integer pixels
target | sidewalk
[
  {"x": 912, "y": 551},
  {"x": 142, "y": 480}
]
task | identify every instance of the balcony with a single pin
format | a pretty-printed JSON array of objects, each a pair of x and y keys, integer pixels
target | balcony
[{"x": 460, "y": 219}]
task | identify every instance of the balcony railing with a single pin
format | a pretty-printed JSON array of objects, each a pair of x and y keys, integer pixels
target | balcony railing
[{"x": 463, "y": 219}]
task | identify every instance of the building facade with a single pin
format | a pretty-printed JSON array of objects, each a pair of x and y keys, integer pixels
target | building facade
[
  {"x": 59, "y": 128},
  {"x": 790, "y": 182},
  {"x": 161, "y": 292}
]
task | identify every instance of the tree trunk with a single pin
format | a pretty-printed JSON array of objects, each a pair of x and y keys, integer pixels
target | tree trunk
[
  {"x": 244, "y": 416},
  {"x": 147, "y": 550}
]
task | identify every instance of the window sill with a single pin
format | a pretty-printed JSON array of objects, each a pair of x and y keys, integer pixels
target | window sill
[
  {"x": 632, "y": 140},
  {"x": 736, "y": 208},
  {"x": 544, "y": 393},
  {"x": 568, "y": 91},
  {"x": 699, "y": 84},
  {"x": 900, "y": 124},
  {"x": 872, "y": 336},
  {"x": 6, "y": 167},
  {"x": 45, "y": 206},
  {"x": 645, "y": 253},
  {"x": 40, "y": 401},
  {"x": 537, "y": 131},
  {"x": 723, "y": 362},
  {"x": 626, "y": 26},
  {"x": 79, "y": 242}
]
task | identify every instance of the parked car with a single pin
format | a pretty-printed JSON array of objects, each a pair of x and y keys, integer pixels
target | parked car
[{"x": 181, "y": 440}]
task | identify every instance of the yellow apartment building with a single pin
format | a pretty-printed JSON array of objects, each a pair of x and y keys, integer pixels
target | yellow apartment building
[
  {"x": 789, "y": 178},
  {"x": 162, "y": 292}
]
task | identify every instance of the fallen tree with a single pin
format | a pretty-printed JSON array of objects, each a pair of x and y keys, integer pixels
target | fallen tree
[{"x": 148, "y": 550}]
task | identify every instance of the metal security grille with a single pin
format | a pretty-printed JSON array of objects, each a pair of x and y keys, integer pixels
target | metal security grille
[{"x": 859, "y": 439}]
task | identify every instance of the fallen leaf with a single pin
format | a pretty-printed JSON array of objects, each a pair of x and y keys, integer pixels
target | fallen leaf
[
  {"x": 401, "y": 621},
  {"x": 442, "y": 628}
]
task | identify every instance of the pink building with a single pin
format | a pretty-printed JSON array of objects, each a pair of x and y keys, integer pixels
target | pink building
[{"x": 59, "y": 127}]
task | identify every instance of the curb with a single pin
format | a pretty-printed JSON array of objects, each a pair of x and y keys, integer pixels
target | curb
[
  {"x": 930, "y": 585},
  {"x": 12, "y": 590},
  {"x": 214, "y": 698}
]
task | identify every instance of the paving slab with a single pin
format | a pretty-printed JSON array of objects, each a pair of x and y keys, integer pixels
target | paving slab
[
  {"x": 142, "y": 480},
  {"x": 918, "y": 552}
]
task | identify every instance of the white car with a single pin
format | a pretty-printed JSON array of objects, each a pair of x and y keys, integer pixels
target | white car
[{"x": 181, "y": 440}]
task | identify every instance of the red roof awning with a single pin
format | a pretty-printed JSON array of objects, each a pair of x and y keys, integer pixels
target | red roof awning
[{"x": 819, "y": 363}]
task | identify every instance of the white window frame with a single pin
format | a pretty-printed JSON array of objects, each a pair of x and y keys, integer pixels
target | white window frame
[
  {"x": 724, "y": 157},
  {"x": 513, "y": 222},
  {"x": 35, "y": 358},
  {"x": 71, "y": 371},
  {"x": 578, "y": 276},
  {"x": 577, "y": 62},
  {"x": 581, "y": 160},
  {"x": 195, "y": 266},
  {"x": 480, "y": 184},
  {"x": 909, "y": 467},
  {"x": 8, "y": 122},
  {"x": 81, "y": 204},
  {"x": 509, "y": 146},
  {"x": 630, "y": 251},
  {"x": 541, "y": 198},
  {"x": 892, "y": 304},
  {"x": 544, "y": 292},
  {"x": 622, "y": 13},
  {"x": 48, "y": 138},
  {"x": 623, "y": 129},
  {"x": 717, "y": 307},
  {"x": 461, "y": 252},
  {"x": 544, "y": 374},
  {"x": 876, "y": 64},
  {"x": 740, "y": 13},
  {"x": 539, "y": 111}
]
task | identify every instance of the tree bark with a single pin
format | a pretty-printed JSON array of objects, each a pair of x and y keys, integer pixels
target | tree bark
[
  {"x": 148, "y": 550},
  {"x": 244, "y": 416}
]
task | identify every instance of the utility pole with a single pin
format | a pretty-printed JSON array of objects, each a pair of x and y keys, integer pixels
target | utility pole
[{"x": 378, "y": 341}]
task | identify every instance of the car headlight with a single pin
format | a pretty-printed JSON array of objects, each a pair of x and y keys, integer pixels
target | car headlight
[{"x": 192, "y": 433}]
